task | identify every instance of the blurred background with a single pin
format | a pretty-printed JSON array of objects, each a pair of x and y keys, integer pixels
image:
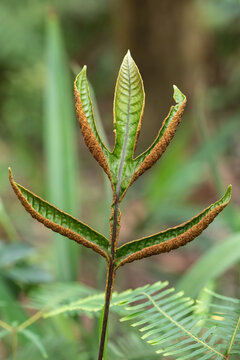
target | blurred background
[{"x": 191, "y": 43}]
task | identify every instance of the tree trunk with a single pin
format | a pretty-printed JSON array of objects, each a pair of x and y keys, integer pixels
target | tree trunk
[{"x": 166, "y": 42}]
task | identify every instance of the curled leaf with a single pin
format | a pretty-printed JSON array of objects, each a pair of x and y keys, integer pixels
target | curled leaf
[
  {"x": 59, "y": 221},
  {"x": 146, "y": 160},
  {"x": 85, "y": 115},
  {"x": 172, "y": 238}
]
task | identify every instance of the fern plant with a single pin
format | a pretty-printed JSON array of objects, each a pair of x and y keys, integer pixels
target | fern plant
[
  {"x": 122, "y": 169},
  {"x": 172, "y": 326},
  {"x": 175, "y": 326}
]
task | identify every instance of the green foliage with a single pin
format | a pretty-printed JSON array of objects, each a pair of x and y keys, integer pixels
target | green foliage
[
  {"x": 63, "y": 220},
  {"x": 167, "y": 235},
  {"x": 60, "y": 149},
  {"x": 167, "y": 320},
  {"x": 15, "y": 266}
]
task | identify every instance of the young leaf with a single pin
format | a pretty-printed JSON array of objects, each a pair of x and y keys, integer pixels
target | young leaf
[
  {"x": 128, "y": 112},
  {"x": 59, "y": 221},
  {"x": 85, "y": 115},
  {"x": 147, "y": 159},
  {"x": 120, "y": 165},
  {"x": 172, "y": 238}
]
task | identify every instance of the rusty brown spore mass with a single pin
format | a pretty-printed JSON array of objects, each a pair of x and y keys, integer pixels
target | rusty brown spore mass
[
  {"x": 163, "y": 143},
  {"x": 50, "y": 224},
  {"x": 89, "y": 137},
  {"x": 178, "y": 241}
]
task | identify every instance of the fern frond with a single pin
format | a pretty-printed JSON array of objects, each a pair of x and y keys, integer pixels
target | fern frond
[
  {"x": 173, "y": 327},
  {"x": 71, "y": 298},
  {"x": 224, "y": 313},
  {"x": 166, "y": 318}
]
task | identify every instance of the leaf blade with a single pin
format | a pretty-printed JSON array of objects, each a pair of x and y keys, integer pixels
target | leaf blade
[
  {"x": 129, "y": 103},
  {"x": 59, "y": 139},
  {"x": 59, "y": 221},
  {"x": 128, "y": 106},
  {"x": 174, "y": 237},
  {"x": 86, "y": 119},
  {"x": 148, "y": 158}
]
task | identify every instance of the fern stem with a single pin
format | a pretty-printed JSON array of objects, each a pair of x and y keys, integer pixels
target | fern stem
[
  {"x": 110, "y": 279},
  {"x": 114, "y": 237},
  {"x": 33, "y": 318},
  {"x": 5, "y": 326},
  {"x": 109, "y": 287}
]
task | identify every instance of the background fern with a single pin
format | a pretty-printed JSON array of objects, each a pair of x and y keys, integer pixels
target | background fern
[{"x": 172, "y": 323}]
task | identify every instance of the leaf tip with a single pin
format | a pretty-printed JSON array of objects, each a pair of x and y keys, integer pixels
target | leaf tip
[
  {"x": 227, "y": 196},
  {"x": 83, "y": 72},
  {"x": 10, "y": 174},
  {"x": 128, "y": 57},
  {"x": 84, "y": 69},
  {"x": 178, "y": 96}
]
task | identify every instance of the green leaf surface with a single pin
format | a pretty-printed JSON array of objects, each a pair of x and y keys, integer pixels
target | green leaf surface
[
  {"x": 128, "y": 111},
  {"x": 138, "y": 245},
  {"x": 60, "y": 145},
  {"x": 166, "y": 318},
  {"x": 95, "y": 302},
  {"x": 176, "y": 331},
  {"x": 215, "y": 262},
  {"x": 58, "y": 220},
  {"x": 179, "y": 97},
  {"x": 84, "y": 92}
]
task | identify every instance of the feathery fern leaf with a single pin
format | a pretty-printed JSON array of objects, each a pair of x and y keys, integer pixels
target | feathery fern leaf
[
  {"x": 173, "y": 327},
  {"x": 166, "y": 318},
  {"x": 224, "y": 313}
]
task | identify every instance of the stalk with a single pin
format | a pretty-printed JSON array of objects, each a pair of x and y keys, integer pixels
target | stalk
[
  {"x": 110, "y": 280},
  {"x": 111, "y": 270}
]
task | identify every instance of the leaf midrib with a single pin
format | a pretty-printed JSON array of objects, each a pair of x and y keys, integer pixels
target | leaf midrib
[
  {"x": 182, "y": 328},
  {"x": 126, "y": 135}
]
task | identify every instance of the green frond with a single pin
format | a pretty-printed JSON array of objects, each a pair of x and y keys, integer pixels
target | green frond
[
  {"x": 166, "y": 319},
  {"x": 171, "y": 325}
]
